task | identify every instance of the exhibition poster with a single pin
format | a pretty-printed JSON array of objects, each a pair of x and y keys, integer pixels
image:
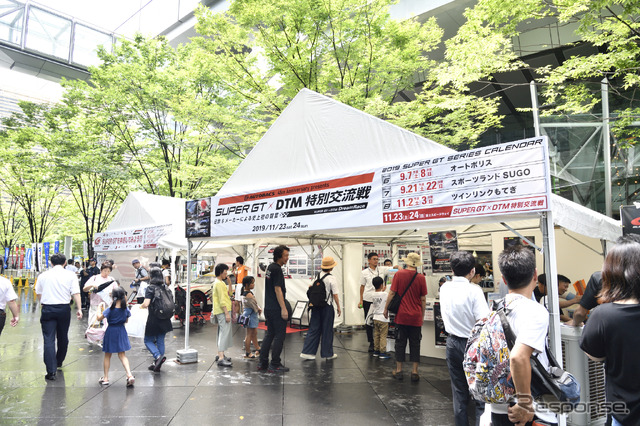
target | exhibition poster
[{"x": 442, "y": 245}]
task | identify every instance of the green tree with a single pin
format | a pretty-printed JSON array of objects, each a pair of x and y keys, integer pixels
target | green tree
[
  {"x": 28, "y": 174},
  {"x": 142, "y": 97},
  {"x": 483, "y": 47},
  {"x": 261, "y": 53}
]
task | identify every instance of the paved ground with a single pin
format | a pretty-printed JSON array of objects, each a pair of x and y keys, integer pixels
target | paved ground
[{"x": 351, "y": 390}]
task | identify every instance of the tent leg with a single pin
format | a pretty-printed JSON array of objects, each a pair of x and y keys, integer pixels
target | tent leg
[
  {"x": 186, "y": 355},
  {"x": 549, "y": 242}
]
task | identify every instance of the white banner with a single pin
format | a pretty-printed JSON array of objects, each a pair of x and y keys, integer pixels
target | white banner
[
  {"x": 130, "y": 239},
  {"x": 500, "y": 179}
]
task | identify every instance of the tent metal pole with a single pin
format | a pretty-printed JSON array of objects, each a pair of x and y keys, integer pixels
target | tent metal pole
[
  {"x": 187, "y": 316},
  {"x": 549, "y": 252},
  {"x": 606, "y": 138}
]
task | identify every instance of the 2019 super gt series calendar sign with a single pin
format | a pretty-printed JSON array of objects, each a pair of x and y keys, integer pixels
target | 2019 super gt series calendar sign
[{"x": 501, "y": 179}]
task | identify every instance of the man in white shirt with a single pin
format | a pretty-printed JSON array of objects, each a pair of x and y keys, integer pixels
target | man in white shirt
[
  {"x": 367, "y": 290},
  {"x": 530, "y": 322},
  {"x": 71, "y": 267},
  {"x": 54, "y": 289},
  {"x": 142, "y": 280},
  {"x": 8, "y": 298},
  {"x": 461, "y": 304}
]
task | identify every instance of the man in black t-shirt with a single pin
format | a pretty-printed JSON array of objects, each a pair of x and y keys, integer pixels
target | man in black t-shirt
[
  {"x": 275, "y": 312},
  {"x": 589, "y": 299}
]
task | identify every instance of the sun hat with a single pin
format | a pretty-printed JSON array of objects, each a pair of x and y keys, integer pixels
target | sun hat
[
  {"x": 328, "y": 262},
  {"x": 413, "y": 260}
]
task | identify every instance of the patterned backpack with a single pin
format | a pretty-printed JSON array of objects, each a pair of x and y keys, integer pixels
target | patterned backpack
[{"x": 486, "y": 359}]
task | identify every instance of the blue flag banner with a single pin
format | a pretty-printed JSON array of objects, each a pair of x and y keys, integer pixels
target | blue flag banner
[
  {"x": 28, "y": 258},
  {"x": 6, "y": 256},
  {"x": 56, "y": 247},
  {"x": 46, "y": 254}
]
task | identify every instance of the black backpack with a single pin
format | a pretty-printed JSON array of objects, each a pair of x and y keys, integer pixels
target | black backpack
[
  {"x": 317, "y": 293},
  {"x": 162, "y": 305}
]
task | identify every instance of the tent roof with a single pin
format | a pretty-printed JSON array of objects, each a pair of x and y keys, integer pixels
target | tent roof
[
  {"x": 140, "y": 209},
  {"x": 317, "y": 137}
]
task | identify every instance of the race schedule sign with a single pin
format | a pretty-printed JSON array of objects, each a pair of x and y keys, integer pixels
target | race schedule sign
[
  {"x": 505, "y": 178},
  {"x": 501, "y": 179}
]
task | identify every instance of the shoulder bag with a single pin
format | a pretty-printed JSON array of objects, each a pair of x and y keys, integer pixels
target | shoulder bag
[{"x": 394, "y": 305}]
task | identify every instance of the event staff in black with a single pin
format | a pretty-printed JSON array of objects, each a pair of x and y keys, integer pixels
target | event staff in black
[
  {"x": 275, "y": 312},
  {"x": 54, "y": 289},
  {"x": 589, "y": 298}
]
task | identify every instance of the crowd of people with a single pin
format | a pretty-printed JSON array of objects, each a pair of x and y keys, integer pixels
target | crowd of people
[{"x": 607, "y": 335}]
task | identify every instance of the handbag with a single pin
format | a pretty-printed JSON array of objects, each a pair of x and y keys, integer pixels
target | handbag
[
  {"x": 137, "y": 322},
  {"x": 243, "y": 320},
  {"x": 394, "y": 304},
  {"x": 95, "y": 331},
  {"x": 556, "y": 388}
]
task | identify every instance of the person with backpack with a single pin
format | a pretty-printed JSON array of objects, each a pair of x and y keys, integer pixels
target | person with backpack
[
  {"x": 412, "y": 288},
  {"x": 462, "y": 303},
  {"x": 222, "y": 312},
  {"x": 529, "y": 322},
  {"x": 141, "y": 281},
  {"x": 159, "y": 301},
  {"x": 322, "y": 293}
]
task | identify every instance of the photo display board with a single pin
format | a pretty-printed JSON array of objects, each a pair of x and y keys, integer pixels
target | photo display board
[{"x": 496, "y": 180}]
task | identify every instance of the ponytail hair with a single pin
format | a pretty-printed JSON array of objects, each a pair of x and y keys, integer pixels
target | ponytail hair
[
  {"x": 246, "y": 282},
  {"x": 118, "y": 293}
]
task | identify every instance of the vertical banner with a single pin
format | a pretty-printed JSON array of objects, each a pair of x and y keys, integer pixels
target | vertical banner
[
  {"x": 56, "y": 247},
  {"x": 6, "y": 257},
  {"x": 43, "y": 265},
  {"x": 16, "y": 257},
  {"x": 28, "y": 259},
  {"x": 46, "y": 253},
  {"x": 22, "y": 256},
  {"x": 85, "y": 250},
  {"x": 34, "y": 261}
]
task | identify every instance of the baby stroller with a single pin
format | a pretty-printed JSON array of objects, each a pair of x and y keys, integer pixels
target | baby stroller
[{"x": 181, "y": 307}]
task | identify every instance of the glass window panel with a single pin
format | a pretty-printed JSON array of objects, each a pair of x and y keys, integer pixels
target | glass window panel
[
  {"x": 11, "y": 17},
  {"x": 48, "y": 33},
  {"x": 85, "y": 45}
]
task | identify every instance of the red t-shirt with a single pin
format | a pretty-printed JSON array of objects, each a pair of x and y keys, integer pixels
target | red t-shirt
[{"x": 410, "y": 311}]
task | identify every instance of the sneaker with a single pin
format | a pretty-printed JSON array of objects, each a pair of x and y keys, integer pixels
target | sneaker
[
  {"x": 262, "y": 367},
  {"x": 159, "y": 363},
  {"x": 277, "y": 368},
  {"x": 152, "y": 366},
  {"x": 371, "y": 348},
  {"x": 225, "y": 363},
  {"x": 307, "y": 356},
  {"x": 334, "y": 356},
  {"x": 384, "y": 355},
  {"x": 50, "y": 376},
  {"x": 376, "y": 353},
  {"x": 228, "y": 358}
]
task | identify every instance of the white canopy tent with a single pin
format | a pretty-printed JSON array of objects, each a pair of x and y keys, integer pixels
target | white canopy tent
[{"x": 318, "y": 139}]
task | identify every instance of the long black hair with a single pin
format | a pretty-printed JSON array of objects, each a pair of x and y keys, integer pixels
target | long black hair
[{"x": 118, "y": 293}]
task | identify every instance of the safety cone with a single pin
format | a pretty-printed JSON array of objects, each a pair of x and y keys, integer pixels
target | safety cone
[
  {"x": 11, "y": 279},
  {"x": 26, "y": 282},
  {"x": 20, "y": 282}
]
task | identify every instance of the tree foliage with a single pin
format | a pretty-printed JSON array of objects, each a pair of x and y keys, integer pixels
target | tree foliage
[
  {"x": 264, "y": 52},
  {"x": 483, "y": 46}
]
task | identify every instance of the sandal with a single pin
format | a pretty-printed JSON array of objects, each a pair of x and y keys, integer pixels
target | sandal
[
  {"x": 397, "y": 375},
  {"x": 257, "y": 353},
  {"x": 130, "y": 381},
  {"x": 249, "y": 355},
  {"x": 103, "y": 382}
]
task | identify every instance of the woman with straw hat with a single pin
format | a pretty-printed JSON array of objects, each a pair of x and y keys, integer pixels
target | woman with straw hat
[{"x": 322, "y": 315}]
